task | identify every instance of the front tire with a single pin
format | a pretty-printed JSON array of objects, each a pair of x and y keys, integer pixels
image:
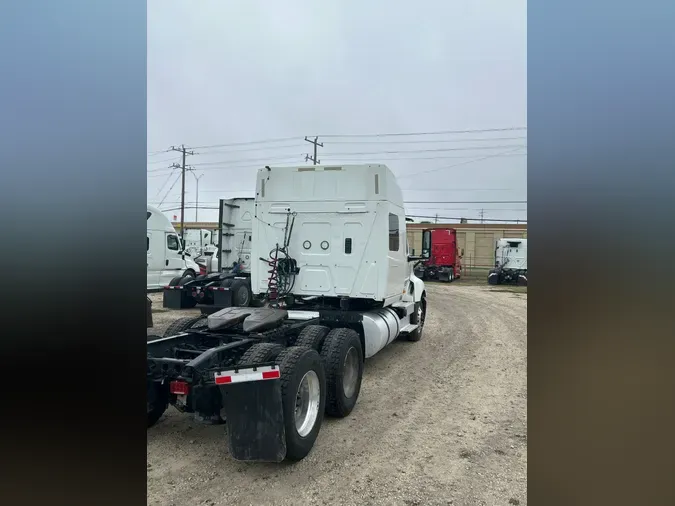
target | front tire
[
  {"x": 303, "y": 395},
  {"x": 419, "y": 317},
  {"x": 342, "y": 355},
  {"x": 493, "y": 278}
]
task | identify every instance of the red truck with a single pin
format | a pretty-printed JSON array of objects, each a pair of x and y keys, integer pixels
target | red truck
[{"x": 445, "y": 263}]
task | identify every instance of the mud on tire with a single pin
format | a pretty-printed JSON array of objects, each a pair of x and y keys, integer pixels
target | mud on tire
[{"x": 342, "y": 347}]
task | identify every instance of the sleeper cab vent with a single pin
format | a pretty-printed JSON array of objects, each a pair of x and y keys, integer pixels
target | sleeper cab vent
[
  {"x": 306, "y": 169},
  {"x": 377, "y": 184}
]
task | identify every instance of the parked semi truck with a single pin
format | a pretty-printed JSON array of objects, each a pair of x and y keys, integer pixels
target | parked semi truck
[
  {"x": 510, "y": 262},
  {"x": 445, "y": 263},
  {"x": 330, "y": 262},
  {"x": 166, "y": 257},
  {"x": 230, "y": 285}
]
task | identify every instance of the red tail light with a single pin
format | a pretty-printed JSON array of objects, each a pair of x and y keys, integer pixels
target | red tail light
[{"x": 179, "y": 387}]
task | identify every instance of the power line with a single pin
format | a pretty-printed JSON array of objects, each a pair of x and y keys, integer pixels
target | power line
[
  {"x": 335, "y": 160},
  {"x": 436, "y": 141},
  {"x": 473, "y": 148},
  {"x": 288, "y": 157},
  {"x": 299, "y": 138},
  {"x": 163, "y": 185},
  {"x": 524, "y": 222},
  {"x": 155, "y": 153},
  {"x": 167, "y": 193},
  {"x": 263, "y": 159},
  {"x": 457, "y": 164},
  {"x": 257, "y": 148},
  {"x": 440, "y": 132},
  {"x": 172, "y": 159},
  {"x": 264, "y": 141}
]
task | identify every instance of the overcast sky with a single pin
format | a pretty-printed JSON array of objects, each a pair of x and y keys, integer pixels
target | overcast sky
[{"x": 230, "y": 72}]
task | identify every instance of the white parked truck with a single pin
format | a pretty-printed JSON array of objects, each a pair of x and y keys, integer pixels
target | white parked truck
[
  {"x": 331, "y": 267},
  {"x": 166, "y": 258},
  {"x": 227, "y": 281},
  {"x": 510, "y": 262}
]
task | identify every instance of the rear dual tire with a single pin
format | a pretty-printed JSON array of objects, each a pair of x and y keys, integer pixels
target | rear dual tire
[
  {"x": 342, "y": 355},
  {"x": 303, "y": 391}
]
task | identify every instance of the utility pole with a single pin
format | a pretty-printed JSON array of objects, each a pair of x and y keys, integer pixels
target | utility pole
[
  {"x": 482, "y": 213},
  {"x": 197, "y": 178},
  {"x": 316, "y": 143},
  {"x": 436, "y": 220},
  {"x": 182, "y": 193}
]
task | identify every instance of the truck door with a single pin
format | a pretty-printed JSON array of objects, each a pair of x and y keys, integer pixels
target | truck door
[
  {"x": 173, "y": 260},
  {"x": 153, "y": 266},
  {"x": 398, "y": 266}
]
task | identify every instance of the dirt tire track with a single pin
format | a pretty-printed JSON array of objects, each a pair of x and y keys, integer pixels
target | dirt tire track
[{"x": 440, "y": 420}]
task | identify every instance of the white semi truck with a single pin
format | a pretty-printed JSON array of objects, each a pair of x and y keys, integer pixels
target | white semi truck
[
  {"x": 330, "y": 265},
  {"x": 510, "y": 262},
  {"x": 166, "y": 258},
  {"x": 228, "y": 279}
]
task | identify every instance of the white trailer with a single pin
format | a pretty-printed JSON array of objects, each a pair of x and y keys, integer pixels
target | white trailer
[
  {"x": 331, "y": 268},
  {"x": 510, "y": 262}
]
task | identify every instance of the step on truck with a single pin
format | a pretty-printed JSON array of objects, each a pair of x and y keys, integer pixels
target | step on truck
[
  {"x": 330, "y": 261},
  {"x": 445, "y": 263},
  {"x": 510, "y": 263},
  {"x": 231, "y": 284}
]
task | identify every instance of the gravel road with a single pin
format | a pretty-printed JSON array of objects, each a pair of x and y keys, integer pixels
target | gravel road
[{"x": 441, "y": 421}]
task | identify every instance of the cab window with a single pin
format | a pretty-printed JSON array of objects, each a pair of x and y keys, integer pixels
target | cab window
[
  {"x": 394, "y": 239},
  {"x": 172, "y": 242}
]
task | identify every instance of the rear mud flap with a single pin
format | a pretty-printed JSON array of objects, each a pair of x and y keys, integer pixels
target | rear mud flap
[
  {"x": 255, "y": 420},
  {"x": 222, "y": 298},
  {"x": 175, "y": 298}
]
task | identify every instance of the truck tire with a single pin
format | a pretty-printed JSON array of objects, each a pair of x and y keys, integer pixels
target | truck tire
[
  {"x": 493, "y": 278},
  {"x": 260, "y": 353},
  {"x": 157, "y": 401},
  {"x": 312, "y": 336},
  {"x": 175, "y": 281},
  {"x": 241, "y": 293},
  {"x": 418, "y": 317},
  {"x": 201, "y": 323},
  {"x": 303, "y": 396},
  {"x": 181, "y": 325},
  {"x": 189, "y": 273},
  {"x": 342, "y": 355},
  {"x": 522, "y": 280}
]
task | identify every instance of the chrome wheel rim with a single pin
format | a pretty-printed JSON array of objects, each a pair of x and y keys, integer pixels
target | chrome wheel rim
[
  {"x": 350, "y": 374},
  {"x": 307, "y": 403}
]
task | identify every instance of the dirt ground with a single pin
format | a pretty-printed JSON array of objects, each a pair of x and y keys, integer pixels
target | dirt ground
[{"x": 440, "y": 421}]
